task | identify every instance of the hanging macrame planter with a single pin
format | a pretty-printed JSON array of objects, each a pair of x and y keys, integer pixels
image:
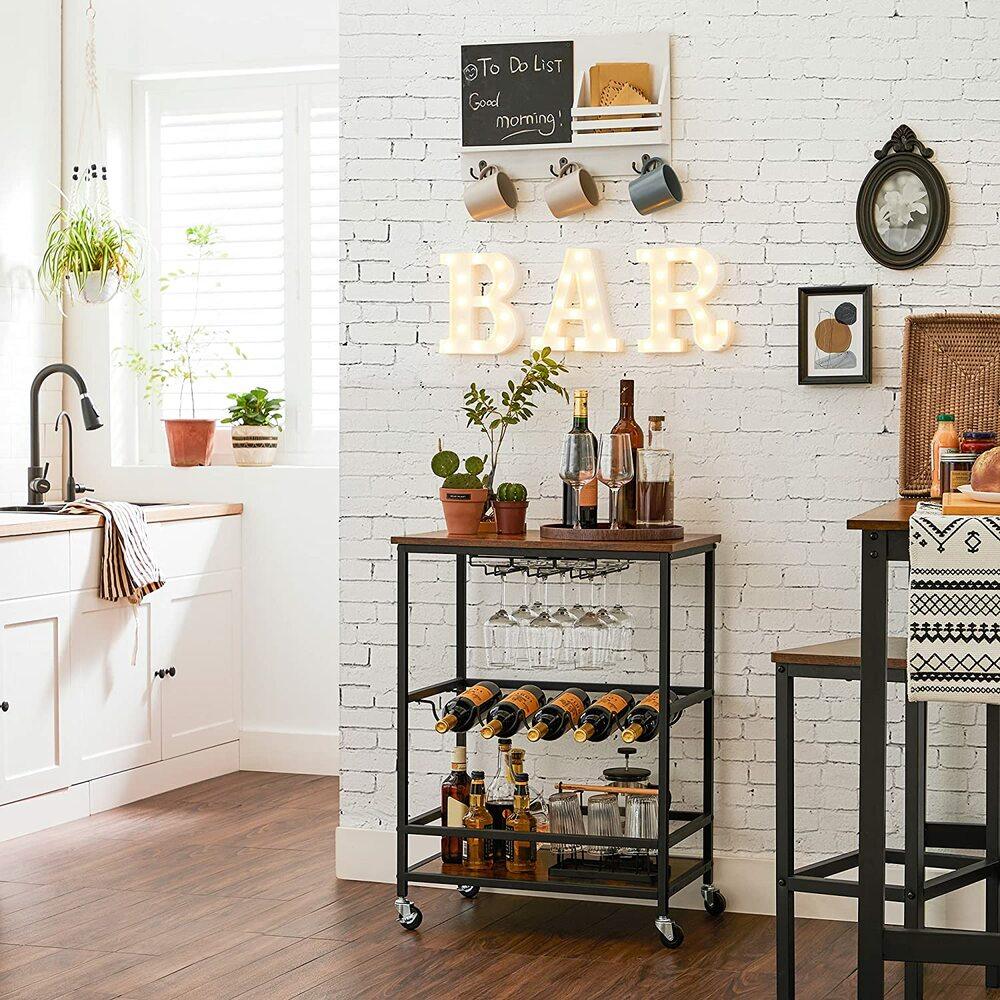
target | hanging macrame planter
[{"x": 90, "y": 253}]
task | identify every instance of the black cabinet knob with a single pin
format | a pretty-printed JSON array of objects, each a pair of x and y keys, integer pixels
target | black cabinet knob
[
  {"x": 160, "y": 673},
  {"x": 4, "y": 705},
  {"x": 172, "y": 671}
]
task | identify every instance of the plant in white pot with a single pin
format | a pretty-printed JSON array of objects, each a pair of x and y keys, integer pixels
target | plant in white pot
[
  {"x": 90, "y": 255},
  {"x": 255, "y": 417},
  {"x": 185, "y": 356}
]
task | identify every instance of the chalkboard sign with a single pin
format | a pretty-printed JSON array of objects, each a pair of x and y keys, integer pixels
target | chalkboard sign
[{"x": 517, "y": 93}]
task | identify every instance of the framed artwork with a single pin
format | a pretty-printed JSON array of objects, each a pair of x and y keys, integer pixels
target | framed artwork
[
  {"x": 835, "y": 334},
  {"x": 903, "y": 207}
]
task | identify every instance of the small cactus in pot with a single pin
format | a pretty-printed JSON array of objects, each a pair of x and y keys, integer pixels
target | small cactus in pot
[
  {"x": 511, "y": 508},
  {"x": 463, "y": 495}
]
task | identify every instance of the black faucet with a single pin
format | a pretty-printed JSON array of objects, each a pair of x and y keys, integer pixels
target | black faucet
[{"x": 38, "y": 484}]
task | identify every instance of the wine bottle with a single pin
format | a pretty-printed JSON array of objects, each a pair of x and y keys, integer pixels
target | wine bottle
[
  {"x": 521, "y": 854},
  {"x": 588, "y": 494},
  {"x": 478, "y": 850},
  {"x": 597, "y": 721},
  {"x": 508, "y": 715},
  {"x": 460, "y": 713},
  {"x": 559, "y": 715},
  {"x": 643, "y": 722},
  {"x": 454, "y": 805},
  {"x": 627, "y": 425}
]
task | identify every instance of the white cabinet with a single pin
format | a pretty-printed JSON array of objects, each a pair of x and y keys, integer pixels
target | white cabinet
[
  {"x": 116, "y": 702},
  {"x": 37, "y": 729},
  {"x": 196, "y": 624}
]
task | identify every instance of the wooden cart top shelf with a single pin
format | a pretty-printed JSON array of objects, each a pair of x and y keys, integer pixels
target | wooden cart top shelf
[
  {"x": 892, "y": 516},
  {"x": 531, "y": 542}
]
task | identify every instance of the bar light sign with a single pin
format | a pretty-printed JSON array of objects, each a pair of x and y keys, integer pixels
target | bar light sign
[{"x": 517, "y": 94}]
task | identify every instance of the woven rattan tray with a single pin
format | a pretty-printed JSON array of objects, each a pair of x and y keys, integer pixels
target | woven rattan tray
[{"x": 951, "y": 364}]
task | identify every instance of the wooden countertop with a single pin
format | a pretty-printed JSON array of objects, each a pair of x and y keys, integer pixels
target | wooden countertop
[
  {"x": 531, "y": 541},
  {"x": 840, "y": 653},
  {"x": 892, "y": 516},
  {"x": 13, "y": 523}
]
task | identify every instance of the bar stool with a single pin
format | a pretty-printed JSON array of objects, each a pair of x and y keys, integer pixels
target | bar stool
[{"x": 841, "y": 660}]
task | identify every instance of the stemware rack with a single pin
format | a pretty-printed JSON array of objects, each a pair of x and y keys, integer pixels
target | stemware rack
[{"x": 581, "y": 560}]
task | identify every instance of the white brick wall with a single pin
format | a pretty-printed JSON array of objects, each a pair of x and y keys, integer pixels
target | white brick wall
[{"x": 775, "y": 117}]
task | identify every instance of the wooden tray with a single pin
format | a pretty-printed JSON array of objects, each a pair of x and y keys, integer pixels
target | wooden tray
[
  {"x": 603, "y": 533},
  {"x": 959, "y": 503}
]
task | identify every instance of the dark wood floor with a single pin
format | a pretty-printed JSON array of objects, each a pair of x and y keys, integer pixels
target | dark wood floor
[{"x": 226, "y": 889}]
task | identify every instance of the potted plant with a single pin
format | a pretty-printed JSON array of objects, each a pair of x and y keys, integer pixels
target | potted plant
[
  {"x": 255, "y": 417},
  {"x": 463, "y": 495},
  {"x": 510, "y": 505},
  {"x": 89, "y": 255},
  {"x": 185, "y": 356}
]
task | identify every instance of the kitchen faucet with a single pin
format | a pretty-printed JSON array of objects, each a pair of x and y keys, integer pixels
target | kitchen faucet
[
  {"x": 73, "y": 488},
  {"x": 38, "y": 484}
]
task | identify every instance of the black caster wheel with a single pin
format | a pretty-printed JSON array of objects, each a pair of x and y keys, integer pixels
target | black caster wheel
[
  {"x": 671, "y": 934},
  {"x": 715, "y": 902},
  {"x": 412, "y": 920},
  {"x": 469, "y": 891}
]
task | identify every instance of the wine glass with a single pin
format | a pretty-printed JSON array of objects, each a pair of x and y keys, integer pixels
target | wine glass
[
  {"x": 500, "y": 644},
  {"x": 615, "y": 468},
  {"x": 579, "y": 466},
  {"x": 544, "y": 633}
]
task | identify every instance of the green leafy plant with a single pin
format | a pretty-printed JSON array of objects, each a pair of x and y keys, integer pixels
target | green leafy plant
[
  {"x": 83, "y": 240},
  {"x": 445, "y": 465},
  {"x": 255, "y": 408},
  {"x": 194, "y": 352},
  {"x": 518, "y": 402},
  {"x": 512, "y": 493}
]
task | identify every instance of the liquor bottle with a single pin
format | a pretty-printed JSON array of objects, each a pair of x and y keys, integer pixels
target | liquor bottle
[
  {"x": 559, "y": 715},
  {"x": 521, "y": 854},
  {"x": 500, "y": 795},
  {"x": 598, "y": 721},
  {"x": 508, "y": 715},
  {"x": 478, "y": 850},
  {"x": 627, "y": 425},
  {"x": 655, "y": 478},
  {"x": 643, "y": 722},
  {"x": 460, "y": 713},
  {"x": 536, "y": 797},
  {"x": 454, "y": 805},
  {"x": 588, "y": 494}
]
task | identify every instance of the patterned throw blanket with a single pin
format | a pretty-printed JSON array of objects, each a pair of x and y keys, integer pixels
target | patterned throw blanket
[{"x": 953, "y": 623}]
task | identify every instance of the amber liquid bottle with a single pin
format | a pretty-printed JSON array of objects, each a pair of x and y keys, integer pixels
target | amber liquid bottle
[
  {"x": 478, "y": 850},
  {"x": 521, "y": 854},
  {"x": 627, "y": 425},
  {"x": 454, "y": 805}
]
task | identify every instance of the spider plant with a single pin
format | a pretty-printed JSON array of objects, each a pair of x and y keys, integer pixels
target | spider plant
[{"x": 84, "y": 240}]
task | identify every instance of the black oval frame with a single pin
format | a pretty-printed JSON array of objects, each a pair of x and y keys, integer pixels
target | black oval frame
[{"x": 938, "y": 208}]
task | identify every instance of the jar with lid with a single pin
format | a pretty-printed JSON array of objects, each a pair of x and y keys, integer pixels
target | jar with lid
[
  {"x": 976, "y": 442},
  {"x": 655, "y": 478}
]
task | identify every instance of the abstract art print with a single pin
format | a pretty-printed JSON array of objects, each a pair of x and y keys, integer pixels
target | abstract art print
[{"x": 835, "y": 334}]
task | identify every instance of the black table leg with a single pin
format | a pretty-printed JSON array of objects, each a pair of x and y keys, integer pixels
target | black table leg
[
  {"x": 663, "y": 921},
  {"x": 461, "y": 628},
  {"x": 871, "y": 839},
  {"x": 402, "y": 716},
  {"x": 915, "y": 828},
  {"x": 993, "y": 831},
  {"x": 708, "y": 721},
  {"x": 784, "y": 736}
]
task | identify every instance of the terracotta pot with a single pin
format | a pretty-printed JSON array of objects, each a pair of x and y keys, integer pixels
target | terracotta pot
[
  {"x": 255, "y": 445},
  {"x": 191, "y": 441},
  {"x": 463, "y": 509},
  {"x": 511, "y": 516}
]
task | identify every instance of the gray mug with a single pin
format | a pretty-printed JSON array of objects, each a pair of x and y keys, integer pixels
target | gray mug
[
  {"x": 656, "y": 186},
  {"x": 572, "y": 191},
  {"x": 492, "y": 194}
]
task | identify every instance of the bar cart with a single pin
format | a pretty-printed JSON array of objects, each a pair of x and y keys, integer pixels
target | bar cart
[{"x": 672, "y": 873}]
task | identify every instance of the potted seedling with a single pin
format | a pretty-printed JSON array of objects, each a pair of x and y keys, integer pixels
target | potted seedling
[
  {"x": 463, "y": 495},
  {"x": 511, "y": 508},
  {"x": 255, "y": 417}
]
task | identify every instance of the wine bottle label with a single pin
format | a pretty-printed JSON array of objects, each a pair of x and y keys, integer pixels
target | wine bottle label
[
  {"x": 588, "y": 494},
  {"x": 456, "y": 812},
  {"x": 572, "y": 704},
  {"x": 524, "y": 700},
  {"x": 478, "y": 694},
  {"x": 614, "y": 703},
  {"x": 652, "y": 700}
]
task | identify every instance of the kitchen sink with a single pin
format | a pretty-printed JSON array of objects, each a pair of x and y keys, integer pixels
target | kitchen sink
[{"x": 58, "y": 508}]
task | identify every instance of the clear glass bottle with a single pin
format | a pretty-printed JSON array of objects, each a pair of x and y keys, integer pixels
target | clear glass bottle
[
  {"x": 655, "y": 478},
  {"x": 500, "y": 795}
]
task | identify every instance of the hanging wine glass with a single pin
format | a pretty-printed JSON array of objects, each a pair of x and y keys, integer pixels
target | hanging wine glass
[
  {"x": 500, "y": 633},
  {"x": 523, "y": 615},
  {"x": 544, "y": 633},
  {"x": 563, "y": 616}
]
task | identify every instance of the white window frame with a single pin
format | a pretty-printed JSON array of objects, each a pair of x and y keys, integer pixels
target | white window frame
[{"x": 301, "y": 444}]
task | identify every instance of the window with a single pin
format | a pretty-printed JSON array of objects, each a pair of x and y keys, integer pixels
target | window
[{"x": 252, "y": 161}]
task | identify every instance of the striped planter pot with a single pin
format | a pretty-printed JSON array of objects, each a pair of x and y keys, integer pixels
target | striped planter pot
[{"x": 255, "y": 445}]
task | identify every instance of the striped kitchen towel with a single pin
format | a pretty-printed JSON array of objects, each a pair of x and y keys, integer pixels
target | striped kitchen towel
[
  {"x": 128, "y": 568},
  {"x": 953, "y": 621}
]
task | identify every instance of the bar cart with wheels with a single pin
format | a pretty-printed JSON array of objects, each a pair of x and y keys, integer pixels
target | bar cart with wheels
[{"x": 674, "y": 826}]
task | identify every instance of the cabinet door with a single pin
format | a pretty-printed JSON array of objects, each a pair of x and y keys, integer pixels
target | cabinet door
[
  {"x": 37, "y": 729},
  {"x": 117, "y": 701},
  {"x": 196, "y": 627}
]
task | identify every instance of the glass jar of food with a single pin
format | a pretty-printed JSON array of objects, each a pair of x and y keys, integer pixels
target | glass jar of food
[
  {"x": 956, "y": 470},
  {"x": 976, "y": 442}
]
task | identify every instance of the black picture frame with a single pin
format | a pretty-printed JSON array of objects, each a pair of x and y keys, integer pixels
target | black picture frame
[
  {"x": 836, "y": 377},
  {"x": 903, "y": 152}
]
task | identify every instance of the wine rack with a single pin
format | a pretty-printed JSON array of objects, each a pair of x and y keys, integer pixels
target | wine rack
[{"x": 580, "y": 560}]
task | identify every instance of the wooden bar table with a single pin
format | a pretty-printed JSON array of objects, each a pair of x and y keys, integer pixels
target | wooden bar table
[{"x": 885, "y": 538}]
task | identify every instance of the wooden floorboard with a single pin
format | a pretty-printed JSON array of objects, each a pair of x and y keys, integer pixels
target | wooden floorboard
[{"x": 225, "y": 890}]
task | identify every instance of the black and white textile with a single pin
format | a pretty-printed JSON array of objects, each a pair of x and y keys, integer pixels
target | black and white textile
[{"x": 953, "y": 620}]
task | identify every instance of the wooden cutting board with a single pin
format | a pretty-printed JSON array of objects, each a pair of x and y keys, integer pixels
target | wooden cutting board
[{"x": 959, "y": 503}]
